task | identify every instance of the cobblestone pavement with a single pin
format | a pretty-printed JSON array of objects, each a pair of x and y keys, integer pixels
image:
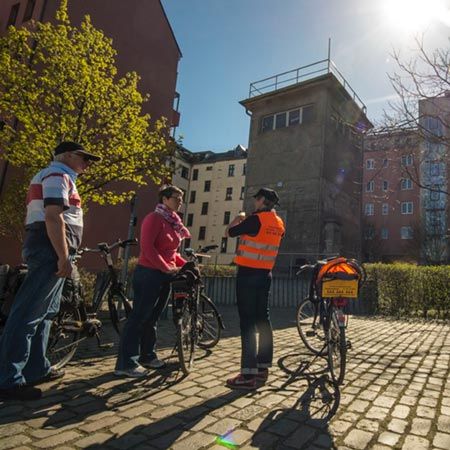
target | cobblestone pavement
[{"x": 396, "y": 395}]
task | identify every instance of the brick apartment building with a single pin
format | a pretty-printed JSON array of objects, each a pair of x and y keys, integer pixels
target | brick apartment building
[{"x": 145, "y": 43}]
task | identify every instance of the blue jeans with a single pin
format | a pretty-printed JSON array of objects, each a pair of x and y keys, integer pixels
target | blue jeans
[
  {"x": 138, "y": 339},
  {"x": 252, "y": 292},
  {"x": 24, "y": 340}
]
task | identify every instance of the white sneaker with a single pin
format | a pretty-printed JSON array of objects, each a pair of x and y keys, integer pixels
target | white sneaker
[
  {"x": 155, "y": 364},
  {"x": 135, "y": 372}
]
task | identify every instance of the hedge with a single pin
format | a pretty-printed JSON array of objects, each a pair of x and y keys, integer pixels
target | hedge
[{"x": 407, "y": 290}]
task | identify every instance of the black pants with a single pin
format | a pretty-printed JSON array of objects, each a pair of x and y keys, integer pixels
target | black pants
[{"x": 252, "y": 292}]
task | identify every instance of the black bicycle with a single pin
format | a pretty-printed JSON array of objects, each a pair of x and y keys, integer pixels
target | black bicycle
[
  {"x": 76, "y": 320},
  {"x": 197, "y": 321},
  {"x": 320, "y": 317}
]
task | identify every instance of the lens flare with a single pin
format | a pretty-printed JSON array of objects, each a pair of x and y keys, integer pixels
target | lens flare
[{"x": 226, "y": 441}]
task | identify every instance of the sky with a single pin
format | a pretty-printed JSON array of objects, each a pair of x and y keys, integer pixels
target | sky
[{"x": 227, "y": 44}]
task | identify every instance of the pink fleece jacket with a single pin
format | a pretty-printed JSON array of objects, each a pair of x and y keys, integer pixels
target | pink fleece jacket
[{"x": 159, "y": 243}]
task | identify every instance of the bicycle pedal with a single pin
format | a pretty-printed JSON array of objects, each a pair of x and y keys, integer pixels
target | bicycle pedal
[
  {"x": 311, "y": 333},
  {"x": 349, "y": 345}
]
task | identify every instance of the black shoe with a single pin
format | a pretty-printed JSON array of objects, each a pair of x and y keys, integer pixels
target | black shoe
[
  {"x": 54, "y": 374},
  {"x": 21, "y": 392}
]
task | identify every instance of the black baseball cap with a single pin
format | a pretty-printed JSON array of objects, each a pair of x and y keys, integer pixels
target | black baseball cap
[
  {"x": 268, "y": 194},
  {"x": 68, "y": 146}
]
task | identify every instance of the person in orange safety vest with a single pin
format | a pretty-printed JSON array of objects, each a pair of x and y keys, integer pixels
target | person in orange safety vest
[{"x": 260, "y": 236}]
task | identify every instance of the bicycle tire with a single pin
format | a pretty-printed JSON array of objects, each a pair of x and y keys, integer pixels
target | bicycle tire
[
  {"x": 312, "y": 337},
  {"x": 208, "y": 323},
  {"x": 63, "y": 342},
  {"x": 337, "y": 350},
  {"x": 185, "y": 340},
  {"x": 119, "y": 310}
]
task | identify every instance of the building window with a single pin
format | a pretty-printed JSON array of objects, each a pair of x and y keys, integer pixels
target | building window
[
  {"x": 406, "y": 184},
  {"x": 209, "y": 168},
  {"x": 370, "y": 164},
  {"x": 29, "y": 10},
  {"x": 307, "y": 114},
  {"x": 435, "y": 193},
  {"x": 406, "y": 233},
  {"x": 280, "y": 120},
  {"x": 187, "y": 243},
  {"x": 244, "y": 169},
  {"x": 201, "y": 233},
  {"x": 385, "y": 185},
  {"x": 204, "y": 208},
  {"x": 226, "y": 217},
  {"x": 267, "y": 123},
  {"x": 294, "y": 117},
  {"x": 223, "y": 245},
  {"x": 369, "y": 232},
  {"x": 368, "y": 209},
  {"x": 384, "y": 209},
  {"x": 434, "y": 169},
  {"x": 407, "y": 160},
  {"x": 407, "y": 207},
  {"x": 385, "y": 162},
  {"x": 207, "y": 186},
  {"x": 384, "y": 233},
  {"x": 241, "y": 197},
  {"x": 190, "y": 220},
  {"x": 370, "y": 186},
  {"x": 195, "y": 175},
  {"x": 229, "y": 194},
  {"x": 192, "y": 197},
  {"x": 13, "y": 15},
  {"x": 231, "y": 170},
  {"x": 185, "y": 172}
]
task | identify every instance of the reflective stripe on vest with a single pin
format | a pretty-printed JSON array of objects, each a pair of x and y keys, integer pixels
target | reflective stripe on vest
[
  {"x": 258, "y": 245},
  {"x": 256, "y": 256}
]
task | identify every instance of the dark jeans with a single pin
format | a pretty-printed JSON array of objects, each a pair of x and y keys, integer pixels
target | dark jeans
[
  {"x": 24, "y": 340},
  {"x": 138, "y": 339},
  {"x": 252, "y": 292}
]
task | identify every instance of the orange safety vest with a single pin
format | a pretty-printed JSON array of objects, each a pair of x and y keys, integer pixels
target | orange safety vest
[{"x": 260, "y": 251}]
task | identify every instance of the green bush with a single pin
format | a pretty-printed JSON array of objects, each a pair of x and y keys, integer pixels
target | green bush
[{"x": 407, "y": 290}]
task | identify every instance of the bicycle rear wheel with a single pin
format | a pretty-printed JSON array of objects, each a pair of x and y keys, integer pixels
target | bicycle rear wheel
[
  {"x": 64, "y": 335},
  {"x": 309, "y": 327},
  {"x": 119, "y": 310},
  {"x": 185, "y": 339},
  {"x": 337, "y": 349},
  {"x": 208, "y": 324}
]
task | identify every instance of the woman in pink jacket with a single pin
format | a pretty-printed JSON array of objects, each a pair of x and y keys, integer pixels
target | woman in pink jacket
[{"x": 161, "y": 234}]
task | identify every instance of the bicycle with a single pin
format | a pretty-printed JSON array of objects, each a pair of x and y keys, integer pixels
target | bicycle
[
  {"x": 320, "y": 317},
  {"x": 196, "y": 319},
  {"x": 75, "y": 322}
]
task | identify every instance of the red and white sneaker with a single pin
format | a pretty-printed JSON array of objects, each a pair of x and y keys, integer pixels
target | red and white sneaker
[
  {"x": 262, "y": 375},
  {"x": 240, "y": 382}
]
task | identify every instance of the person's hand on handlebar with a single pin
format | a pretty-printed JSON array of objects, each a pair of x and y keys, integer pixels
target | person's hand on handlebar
[{"x": 173, "y": 270}]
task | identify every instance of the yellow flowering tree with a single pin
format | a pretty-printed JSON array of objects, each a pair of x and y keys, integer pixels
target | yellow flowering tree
[{"x": 59, "y": 82}]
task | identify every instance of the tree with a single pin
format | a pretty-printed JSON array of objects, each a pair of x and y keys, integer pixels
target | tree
[{"x": 59, "y": 82}]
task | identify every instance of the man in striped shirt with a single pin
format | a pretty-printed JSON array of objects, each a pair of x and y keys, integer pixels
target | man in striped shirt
[{"x": 54, "y": 227}]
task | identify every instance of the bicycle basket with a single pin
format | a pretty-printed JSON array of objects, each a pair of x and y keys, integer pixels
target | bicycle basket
[{"x": 339, "y": 277}]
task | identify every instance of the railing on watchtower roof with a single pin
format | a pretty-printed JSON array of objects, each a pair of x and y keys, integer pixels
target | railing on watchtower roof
[{"x": 295, "y": 76}]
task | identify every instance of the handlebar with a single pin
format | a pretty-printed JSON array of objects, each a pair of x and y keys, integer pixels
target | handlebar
[
  {"x": 103, "y": 247},
  {"x": 202, "y": 252}
]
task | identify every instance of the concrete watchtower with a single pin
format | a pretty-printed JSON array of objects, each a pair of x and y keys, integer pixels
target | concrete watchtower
[{"x": 305, "y": 142}]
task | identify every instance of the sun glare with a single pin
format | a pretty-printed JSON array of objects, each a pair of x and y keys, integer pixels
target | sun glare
[{"x": 414, "y": 15}]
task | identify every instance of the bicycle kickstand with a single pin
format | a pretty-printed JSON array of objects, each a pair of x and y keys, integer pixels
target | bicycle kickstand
[{"x": 103, "y": 346}]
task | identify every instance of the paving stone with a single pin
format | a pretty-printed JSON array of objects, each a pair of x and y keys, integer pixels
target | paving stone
[
  {"x": 94, "y": 439},
  {"x": 194, "y": 442},
  {"x": 401, "y": 412},
  {"x": 14, "y": 441},
  {"x": 300, "y": 437},
  {"x": 420, "y": 426},
  {"x": 415, "y": 443},
  {"x": 384, "y": 401},
  {"x": 389, "y": 438},
  {"x": 443, "y": 424},
  {"x": 368, "y": 425},
  {"x": 57, "y": 439},
  {"x": 358, "y": 439},
  {"x": 397, "y": 426},
  {"x": 442, "y": 440}
]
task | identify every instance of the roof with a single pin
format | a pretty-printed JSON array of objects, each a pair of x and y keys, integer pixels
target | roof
[{"x": 207, "y": 157}]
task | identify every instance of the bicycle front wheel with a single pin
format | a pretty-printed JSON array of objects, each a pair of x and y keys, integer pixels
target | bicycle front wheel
[
  {"x": 208, "y": 324},
  {"x": 185, "y": 340},
  {"x": 64, "y": 335},
  {"x": 119, "y": 310},
  {"x": 337, "y": 349},
  {"x": 309, "y": 327}
]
